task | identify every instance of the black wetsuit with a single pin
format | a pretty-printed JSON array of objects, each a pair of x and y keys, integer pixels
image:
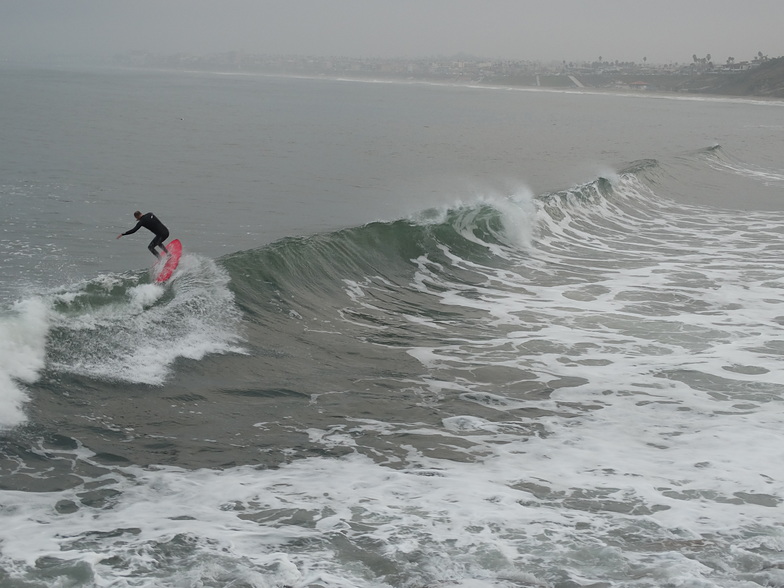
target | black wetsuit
[{"x": 150, "y": 222}]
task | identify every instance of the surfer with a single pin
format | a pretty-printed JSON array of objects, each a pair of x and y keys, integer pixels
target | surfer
[{"x": 150, "y": 222}]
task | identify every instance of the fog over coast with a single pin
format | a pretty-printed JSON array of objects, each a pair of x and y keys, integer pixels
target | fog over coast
[{"x": 557, "y": 30}]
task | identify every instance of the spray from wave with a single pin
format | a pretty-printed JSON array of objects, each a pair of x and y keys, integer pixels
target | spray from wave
[
  {"x": 125, "y": 329},
  {"x": 22, "y": 356},
  {"x": 116, "y": 328}
]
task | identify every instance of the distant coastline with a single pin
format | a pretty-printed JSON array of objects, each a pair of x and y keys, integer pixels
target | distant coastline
[
  {"x": 618, "y": 90},
  {"x": 761, "y": 77},
  {"x": 765, "y": 82}
]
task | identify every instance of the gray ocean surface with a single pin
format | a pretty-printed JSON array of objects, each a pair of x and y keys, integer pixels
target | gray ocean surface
[{"x": 421, "y": 335}]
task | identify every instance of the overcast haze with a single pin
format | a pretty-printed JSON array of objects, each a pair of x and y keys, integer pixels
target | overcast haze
[{"x": 662, "y": 31}]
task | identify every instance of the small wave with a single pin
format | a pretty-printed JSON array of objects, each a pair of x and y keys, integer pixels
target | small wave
[{"x": 720, "y": 160}]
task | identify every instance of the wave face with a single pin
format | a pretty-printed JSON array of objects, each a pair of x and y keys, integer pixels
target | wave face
[{"x": 577, "y": 388}]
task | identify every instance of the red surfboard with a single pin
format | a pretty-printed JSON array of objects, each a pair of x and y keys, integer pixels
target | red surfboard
[{"x": 172, "y": 261}]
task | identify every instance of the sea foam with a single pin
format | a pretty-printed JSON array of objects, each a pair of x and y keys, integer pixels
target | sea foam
[
  {"x": 22, "y": 354},
  {"x": 134, "y": 332}
]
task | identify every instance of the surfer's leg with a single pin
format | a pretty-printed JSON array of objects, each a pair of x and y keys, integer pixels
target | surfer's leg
[
  {"x": 151, "y": 247},
  {"x": 160, "y": 239}
]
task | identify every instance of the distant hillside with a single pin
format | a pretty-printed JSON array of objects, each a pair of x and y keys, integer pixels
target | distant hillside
[{"x": 765, "y": 81}]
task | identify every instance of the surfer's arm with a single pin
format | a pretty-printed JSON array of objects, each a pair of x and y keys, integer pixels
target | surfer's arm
[{"x": 133, "y": 230}]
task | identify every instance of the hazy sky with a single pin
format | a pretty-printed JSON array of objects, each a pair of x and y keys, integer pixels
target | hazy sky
[{"x": 626, "y": 30}]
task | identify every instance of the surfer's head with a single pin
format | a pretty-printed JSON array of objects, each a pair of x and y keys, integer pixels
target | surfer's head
[{"x": 137, "y": 215}]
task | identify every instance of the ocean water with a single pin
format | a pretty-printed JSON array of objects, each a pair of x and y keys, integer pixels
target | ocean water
[{"x": 421, "y": 335}]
